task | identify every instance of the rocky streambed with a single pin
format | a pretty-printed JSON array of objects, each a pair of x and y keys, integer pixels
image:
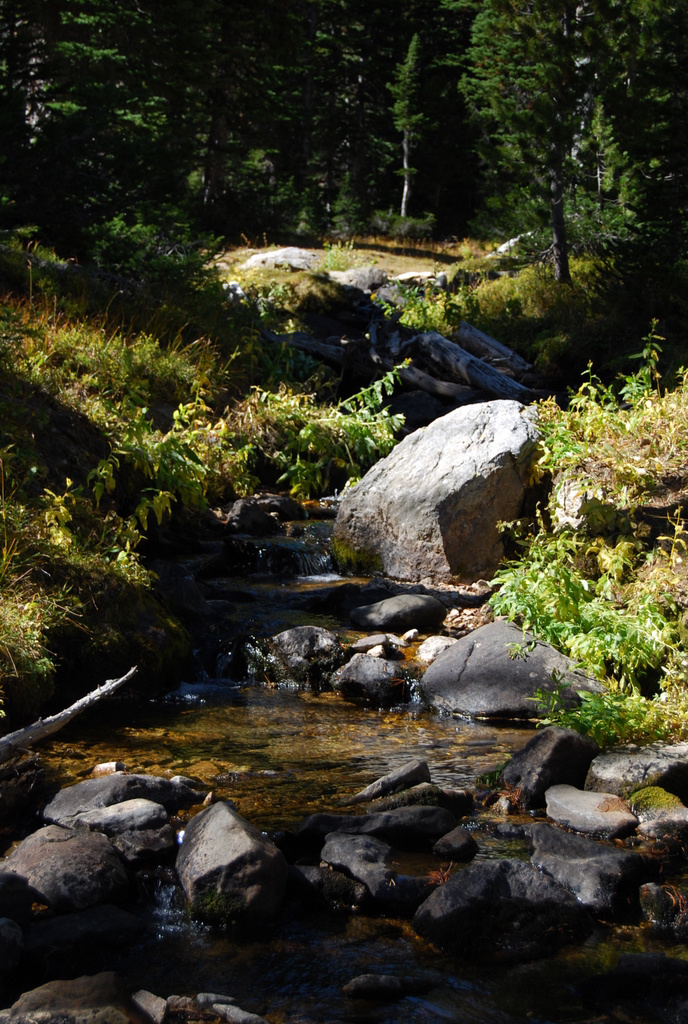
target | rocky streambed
[{"x": 346, "y": 813}]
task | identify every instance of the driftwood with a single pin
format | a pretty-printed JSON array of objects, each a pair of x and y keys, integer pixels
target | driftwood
[{"x": 22, "y": 738}]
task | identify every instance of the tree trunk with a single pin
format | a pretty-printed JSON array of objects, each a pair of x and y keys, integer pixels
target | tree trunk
[
  {"x": 560, "y": 247},
  {"x": 406, "y": 194}
]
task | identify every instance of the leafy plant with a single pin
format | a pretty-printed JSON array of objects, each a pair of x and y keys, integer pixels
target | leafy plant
[{"x": 607, "y": 718}]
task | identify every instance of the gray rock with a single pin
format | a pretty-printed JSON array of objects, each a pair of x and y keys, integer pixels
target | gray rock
[
  {"x": 146, "y": 846},
  {"x": 247, "y": 517},
  {"x": 92, "y": 794},
  {"x": 228, "y": 868},
  {"x": 495, "y": 671},
  {"x": 291, "y": 257},
  {"x": 306, "y": 654},
  {"x": 458, "y": 844},
  {"x": 405, "y": 827},
  {"x": 433, "y": 647},
  {"x": 90, "y": 998},
  {"x": 504, "y": 909},
  {"x": 363, "y": 858},
  {"x": 151, "y": 1006},
  {"x": 235, "y": 1015},
  {"x": 553, "y": 756},
  {"x": 672, "y": 823},
  {"x": 376, "y": 681},
  {"x": 626, "y": 769},
  {"x": 431, "y": 508},
  {"x": 602, "y": 815},
  {"x": 125, "y": 817},
  {"x": 364, "y": 279},
  {"x": 401, "y": 612},
  {"x": 70, "y": 869},
  {"x": 603, "y": 878},
  {"x": 410, "y": 774}
]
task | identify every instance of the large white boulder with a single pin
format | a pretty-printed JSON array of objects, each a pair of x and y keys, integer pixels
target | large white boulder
[{"x": 431, "y": 508}]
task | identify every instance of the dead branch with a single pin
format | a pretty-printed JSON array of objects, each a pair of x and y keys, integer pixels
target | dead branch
[{"x": 22, "y": 738}]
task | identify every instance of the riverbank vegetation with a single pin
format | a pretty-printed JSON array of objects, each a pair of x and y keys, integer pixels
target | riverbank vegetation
[
  {"x": 112, "y": 428},
  {"x": 142, "y": 140}
]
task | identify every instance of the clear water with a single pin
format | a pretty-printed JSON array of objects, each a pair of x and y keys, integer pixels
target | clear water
[{"x": 280, "y": 755}]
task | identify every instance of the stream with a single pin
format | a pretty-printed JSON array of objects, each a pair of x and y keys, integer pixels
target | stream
[{"x": 281, "y": 754}]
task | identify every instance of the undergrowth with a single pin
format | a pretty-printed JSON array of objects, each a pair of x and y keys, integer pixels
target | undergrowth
[{"x": 600, "y": 581}]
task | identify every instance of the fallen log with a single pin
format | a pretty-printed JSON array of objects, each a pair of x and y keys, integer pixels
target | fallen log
[
  {"x": 332, "y": 354},
  {"x": 22, "y": 738},
  {"x": 454, "y": 362},
  {"x": 485, "y": 347}
]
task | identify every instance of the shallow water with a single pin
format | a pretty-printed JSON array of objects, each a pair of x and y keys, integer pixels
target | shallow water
[{"x": 280, "y": 755}]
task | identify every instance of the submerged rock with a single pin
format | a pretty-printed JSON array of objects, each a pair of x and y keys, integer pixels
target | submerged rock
[{"x": 495, "y": 671}]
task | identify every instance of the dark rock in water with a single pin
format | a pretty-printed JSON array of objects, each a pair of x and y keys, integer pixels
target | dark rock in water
[
  {"x": 80, "y": 934},
  {"x": 71, "y": 870},
  {"x": 432, "y": 507},
  {"x": 229, "y": 870},
  {"x": 458, "y": 844},
  {"x": 377, "y": 681},
  {"x": 642, "y": 986},
  {"x": 11, "y": 945},
  {"x": 363, "y": 858},
  {"x": 553, "y": 756},
  {"x": 386, "y": 987},
  {"x": 405, "y": 827},
  {"x": 495, "y": 671},
  {"x": 603, "y": 878},
  {"x": 600, "y": 815},
  {"x": 146, "y": 846},
  {"x": 281, "y": 505},
  {"x": 247, "y": 517},
  {"x": 666, "y": 908},
  {"x": 401, "y": 612},
  {"x": 16, "y": 896},
  {"x": 503, "y": 909},
  {"x": 626, "y": 769},
  {"x": 93, "y": 794},
  {"x": 408, "y": 775},
  {"x": 305, "y": 654}
]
